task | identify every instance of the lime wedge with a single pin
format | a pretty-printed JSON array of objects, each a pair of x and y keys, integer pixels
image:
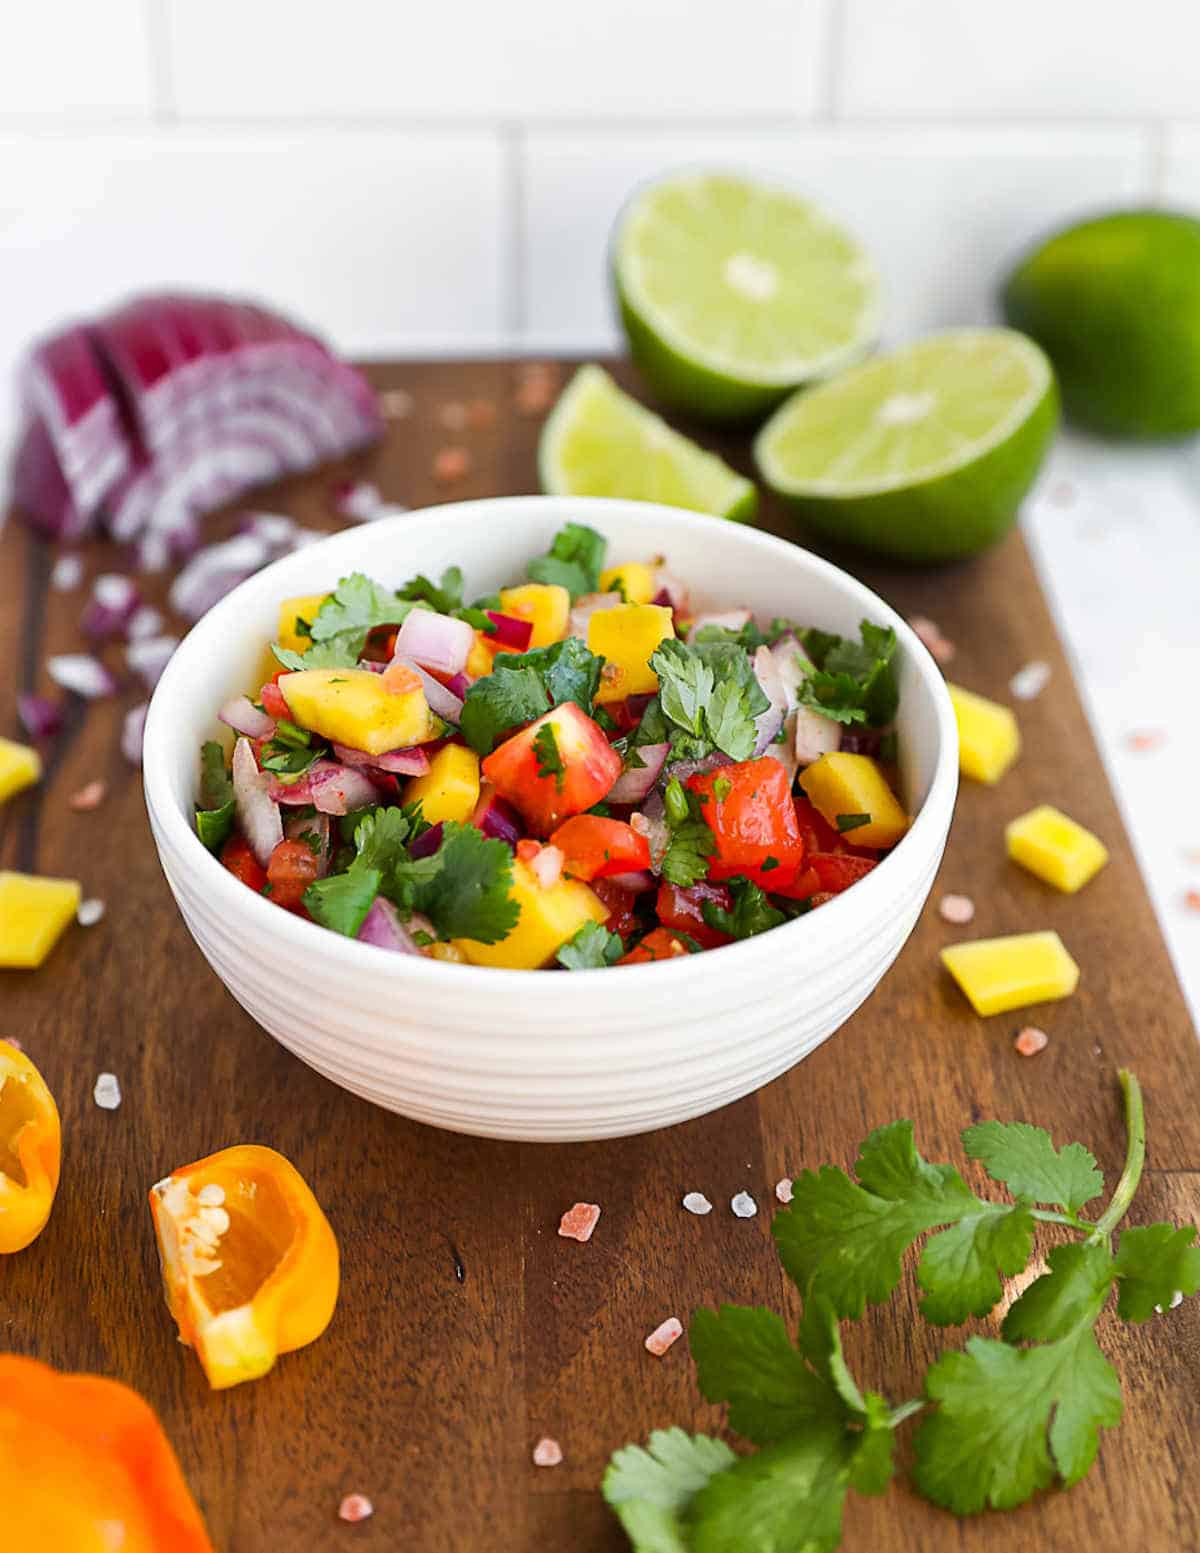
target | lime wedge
[
  {"x": 600, "y": 442},
  {"x": 924, "y": 454},
  {"x": 733, "y": 292}
]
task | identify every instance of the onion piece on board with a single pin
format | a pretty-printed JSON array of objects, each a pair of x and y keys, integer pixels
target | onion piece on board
[{"x": 84, "y": 675}]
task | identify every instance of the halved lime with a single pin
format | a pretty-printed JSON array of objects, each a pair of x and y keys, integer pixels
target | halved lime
[
  {"x": 733, "y": 292},
  {"x": 600, "y": 442},
  {"x": 924, "y": 454}
]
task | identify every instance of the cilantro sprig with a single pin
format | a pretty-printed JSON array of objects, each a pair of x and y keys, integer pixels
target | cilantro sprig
[
  {"x": 852, "y": 682},
  {"x": 214, "y": 812},
  {"x": 690, "y": 842},
  {"x": 709, "y": 697},
  {"x": 523, "y": 685},
  {"x": 1002, "y": 1418},
  {"x": 592, "y": 948},
  {"x": 574, "y": 560}
]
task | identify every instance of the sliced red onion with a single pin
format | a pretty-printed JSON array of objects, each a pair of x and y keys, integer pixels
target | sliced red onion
[
  {"x": 459, "y": 686},
  {"x": 406, "y": 762},
  {"x": 510, "y": 631},
  {"x": 330, "y": 787},
  {"x": 497, "y": 818},
  {"x": 258, "y": 814},
  {"x": 110, "y": 608},
  {"x": 655, "y": 829},
  {"x": 635, "y": 782},
  {"x": 784, "y": 749},
  {"x": 67, "y": 573},
  {"x": 861, "y": 741},
  {"x": 145, "y": 621},
  {"x": 215, "y": 571},
  {"x": 442, "y": 701},
  {"x": 793, "y": 665},
  {"x": 815, "y": 736},
  {"x": 731, "y": 620},
  {"x": 682, "y": 769},
  {"x": 585, "y": 607},
  {"x": 768, "y": 722},
  {"x": 427, "y": 842},
  {"x": 150, "y": 656},
  {"x": 361, "y": 502},
  {"x": 133, "y": 731},
  {"x": 40, "y": 717},
  {"x": 82, "y": 674},
  {"x": 435, "y": 641},
  {"x": 305, "y": 827},
  {"x": 243, "y": 716},
  {"x": 382, "y": 927},
  {"x": 671, "y": 591},
  {"x": 637, "y": 883}
]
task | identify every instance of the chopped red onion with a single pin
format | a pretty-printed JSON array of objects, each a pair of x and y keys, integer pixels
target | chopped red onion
[
  {"x": 815, "y": 736},
  {"x": 40, "y": 717},
  {"x": 406, "y": 762},
  {"x": 145, "y": 621},
  {"x": 784, "y": 749},
  {"x": 243, "y": 716},
  {"x": 442, "y": 701},
  {"x": 362, "y": 502},
  {"x": 689, "y": 768},
  {"x": 510, "y": 631},
  {"x": 427, "y": 842},
  {"x": 730, "y": 620},
  {"x": 258, "y": 815},
  {"x": 654, "y": 827},
  {"x": 332, "y": 788},
  {"x": 150, "y": 656},
  {"x": 309, "y": 827},
  {"x": 793, "y": 665},
  {"x": 671, "y": 591},
  {"x": 133, "y": 731},
  {"x": 110, "y": 607},
  {"x": 585, "y": 607},
  {"x": 67, "y": 573},
  {"x": 435, "y": 641},
  {"x": 547, "y": 866},
  {"x": 635, "y": 782},
  {"x": 459, "y": 686},
  {"x": 382, "y": 927},
  {"x": 82, "y": 674},
  {"x": 768, "y": 722},
  {"x": 861, "y": 741},
  {"x": 637, "y": 882},
  {"x": 497, "y": 818},
  {"x": 215, "y": 571}
]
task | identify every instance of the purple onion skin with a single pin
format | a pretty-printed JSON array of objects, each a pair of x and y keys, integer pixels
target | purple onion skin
[
  {"x": 862, "y": 741},
  {"x": 500, "y": 821},
  {"x": 428, "y": 842}
]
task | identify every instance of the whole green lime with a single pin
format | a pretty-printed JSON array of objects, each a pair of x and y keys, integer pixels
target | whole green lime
[{"x": 1115, "y": 303}]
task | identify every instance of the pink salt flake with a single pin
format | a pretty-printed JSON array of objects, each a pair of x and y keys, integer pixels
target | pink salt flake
[
  {"x": 537, "y": 384},
  {"x": 663, "y": 1336},
  {"x": 958, "y": 909},
  {"x": 355, "y": 1507},
  {"x": 783, "y": 1189},
  {"x": 1031, "y": 1040},
  {"x": 481, "y": 414},
  {"x": 579, "y": 1222},
  {"x": 547, "y": 1452},
  {"x": 14, "y": 1043},
  {"x": 453, "y": 416},
  {"x": 1191, "y": 900},
  {"x": 89, "y": 797},
  {"x": 1143, "y": 740},
  {"x": 1028, "y": 683},
  {"x": 396, "y": 403},
  {"x": 929, "y": 634},
  {"x": 451, "y": 465}
]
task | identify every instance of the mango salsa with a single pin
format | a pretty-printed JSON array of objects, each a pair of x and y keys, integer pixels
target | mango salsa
[
  {"x": 33, "y": 915},
  {"x": 546, "y": 606},
  {"x": 1000, "y": 974},
  {"x": 549, "y": 917},
  {"x": 291, "y": 612},
  {"x": 626, "y": 637},
  {"x": 352, "y": 706},
  {"x": 449, "y": 790},
  {"x": 988, "y": 737},
  {"x": 482, "y": 657},
  {"x": 842, "y": 785},
  {"x": 20, "y": 767},
  {"x": 635, "y": 579},
  {"x": 1055, "y": 848}
]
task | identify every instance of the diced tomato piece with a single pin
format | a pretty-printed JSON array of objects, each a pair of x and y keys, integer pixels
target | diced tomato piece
[
  {"x": 292, "y": 868},
  {"x": 820, "y": 836},
  {"x": 622, "y": 919},
  {"x": 820, "y": 898},
  {"x": 801, "y": 888},
  {"x": 748, "y": 806},
  {"x": 595, "y": 846},
  {"x": 587, "y": 767},
  {"x": 273, "y": 703},
  {"x": 661, "y": 944},
  {"x": 838, "y": 873},
  {"x": 242, "y": 863},
  {"x": 683, "y": 910},
  {"x": 627, "y": 714}
]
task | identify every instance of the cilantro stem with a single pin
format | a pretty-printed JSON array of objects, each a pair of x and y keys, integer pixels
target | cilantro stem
[
  {"x": 906, "y": 1410},
  {"x": 1135, "y": 1158},
  {"x": 1050, "y": 1216}
]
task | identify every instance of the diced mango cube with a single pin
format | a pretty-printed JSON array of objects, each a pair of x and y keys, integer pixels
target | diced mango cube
[
  {"x": 20, "y": 767},
  {"x": 449, "y": 790},
  {"x": 450, "y": 954},
  {"x": 33, "y": 914},
  {"x": 1055, "y": 848},
  {"x": 988, "y": 737},
  {"x": 626, "y": 637},
  {"x": 841, "y": 786},
  {"x": 352, "y": 706},
  {"x": 549, "y": 917},
  {"x": 546, "y": 606},
  {"x": 1000, "y": 974},
  {"x": 291, "y": 612},
  {"x": 637, "y": 580},
  {"x": 482, "y": 658}
]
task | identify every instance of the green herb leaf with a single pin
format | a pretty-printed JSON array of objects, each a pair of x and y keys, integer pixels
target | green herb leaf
[
  {"x": 215, "y": 811},
  {"x": 1070, "y": 1294},
  {"x": 649, "y": 1488},
  {"x": 568, "y": 670},
  {"x": 1025, "y": 1160},
  {"x": 745, "y": 1357},
  {"x": 355, "y": 607},
  {"x": 847, "y": 822},
  {"x": 1154, "y": 1262},
  {"x": 854, "y": 682},
  {"x": 960, "y": 1267},
  {"x": 711, "y": 694},
  {"x": 505, "y": 699},
  {"x": 685, "y": 684},
  {"x": 549, "y": 761},
  {"x": 730, "y": 722},
  {"x": 342, "y": 901},
  {"x": 872, "y": 1466},
  {"x": 335, "y": 652},
  {"x": 574, "y": 561},
  {"x": 445, "y": 596},
  {"x": 752, "y": 912},
  {"x": 592, "y": 948},
  {"x": 468, "y": 895}
]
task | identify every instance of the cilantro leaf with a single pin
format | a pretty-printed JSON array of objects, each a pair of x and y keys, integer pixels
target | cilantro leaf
[
  {"x": 382, "y": 838},
  {"x": 960, "y": 1267},
  {"x": 730, "y": 721},
  {"x": 335, "y": 652},
  {"x": 745, "y": 1357},
  {"x": 649, "y": 1487},
  {"x": 215, "y": 811},
  {"x": 549, "y": 760},
  {"x": 341, "y": 902},
  {"x": 506, "y": 698},
  {"x": 356, "y": 606},
  {"x": 853, "y": 682},
  {"x": 685, "y": 684},
  {"x": 574, "y": 561},
  {"x": 750, "y": 638},
  {"x": 871, "y": 1467},
  {"x": 444, "y": 596},
  {"x": 1070, "y": 1293},
  {"x": 1154, "y": 1262},
  {"x": 569, "y": 671},
  {"x": 592, "y": 948},
  {"x": 711, "y": 694},
  {"x": 468, "y": 894},
  {"x": 690, "y": 842},
  {"x": 752, "y": 912},
  {"x": 1025, "y": 1160}
]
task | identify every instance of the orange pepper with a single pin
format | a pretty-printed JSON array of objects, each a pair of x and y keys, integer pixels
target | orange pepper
[
  {"x": 85, "y": 1466},
  {"x": 30, "y": 1150},
  {"x": 249, "y": 1261}
]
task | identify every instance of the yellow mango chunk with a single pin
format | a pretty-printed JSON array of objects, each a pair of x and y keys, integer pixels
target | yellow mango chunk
[
  {"x": 1055, "y": 848},
  {"x": 1000, "y": 974},
  {"x": 546, "y": 606},
  {"x": 988, "y": 737},
  {"x": 33, "y": 914},
  {"x": 449, "y": 790},
  {"x": 20, "y": 767},
  {"x": 626, "y": 637},
  {"x": 549, "y": 917},
  {"x": 482, "y": 657},
  {"x": 291, "y": 611},
  {"x": 351, "y": 706},
  {"x": 636, "y": 579},
  {"x": 840, "y": 785}
]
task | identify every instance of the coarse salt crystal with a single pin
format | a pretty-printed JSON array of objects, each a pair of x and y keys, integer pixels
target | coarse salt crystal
[
  {"x": 89, "y": 797},
  {"x": 743, "y": 1205},
  {"x": 89, "y": 912},
  {"x": 929, "y": 634},
  {"x": 783, "y": 1189},
  {"x": 547, "y": 1452},
  {"x": 579, "y": 1222},
  {"x": 396, "y": 403},
  {"x": 67, "y": 573},
  {"x": 697, "y": 1203},
  {"x": 451, "y": 465},
  {"x": 958, "y": 909},
  {"x": 663, "y": 1336},
  {"x": 1031, "y": 1040},
  {"x": 355, "y": 1507},
  {"x": 453, "y": 416},
  {"x": 1029, "y": 682},
  {"x": 481, "y": 413},
  {"x": 107, "y": 1092},
  {"x": 1142, "y": 740},
  {"x": 1191, "y": 900}
]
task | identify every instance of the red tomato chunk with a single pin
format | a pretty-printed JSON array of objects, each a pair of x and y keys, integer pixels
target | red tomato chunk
[
  {"x": 587, "y": 767},
  {"x": 748, "y": 807},
  {"x": 659, "y": 945},
  {"x": 595, "y": 846},
  {"x": 683, "y": 910},
  {"x": 242, "y": 864},
  {"x": 291, "y": 870}
]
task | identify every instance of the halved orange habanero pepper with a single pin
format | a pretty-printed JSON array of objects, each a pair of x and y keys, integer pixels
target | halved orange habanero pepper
[
  {"x": 85, "y": 1467},
  {"x": 30, "y": 1150},
  {"x": 248, "y": 1258}
]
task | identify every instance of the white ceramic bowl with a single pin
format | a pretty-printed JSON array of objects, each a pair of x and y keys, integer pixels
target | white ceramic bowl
[{"x": 517, "y": 1054}]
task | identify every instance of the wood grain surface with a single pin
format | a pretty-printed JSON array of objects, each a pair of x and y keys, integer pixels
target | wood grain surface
[{"x": 466, "y": 1327}]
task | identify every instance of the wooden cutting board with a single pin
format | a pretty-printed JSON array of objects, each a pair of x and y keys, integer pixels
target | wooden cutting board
[{"x": 467, "y": 1328}]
